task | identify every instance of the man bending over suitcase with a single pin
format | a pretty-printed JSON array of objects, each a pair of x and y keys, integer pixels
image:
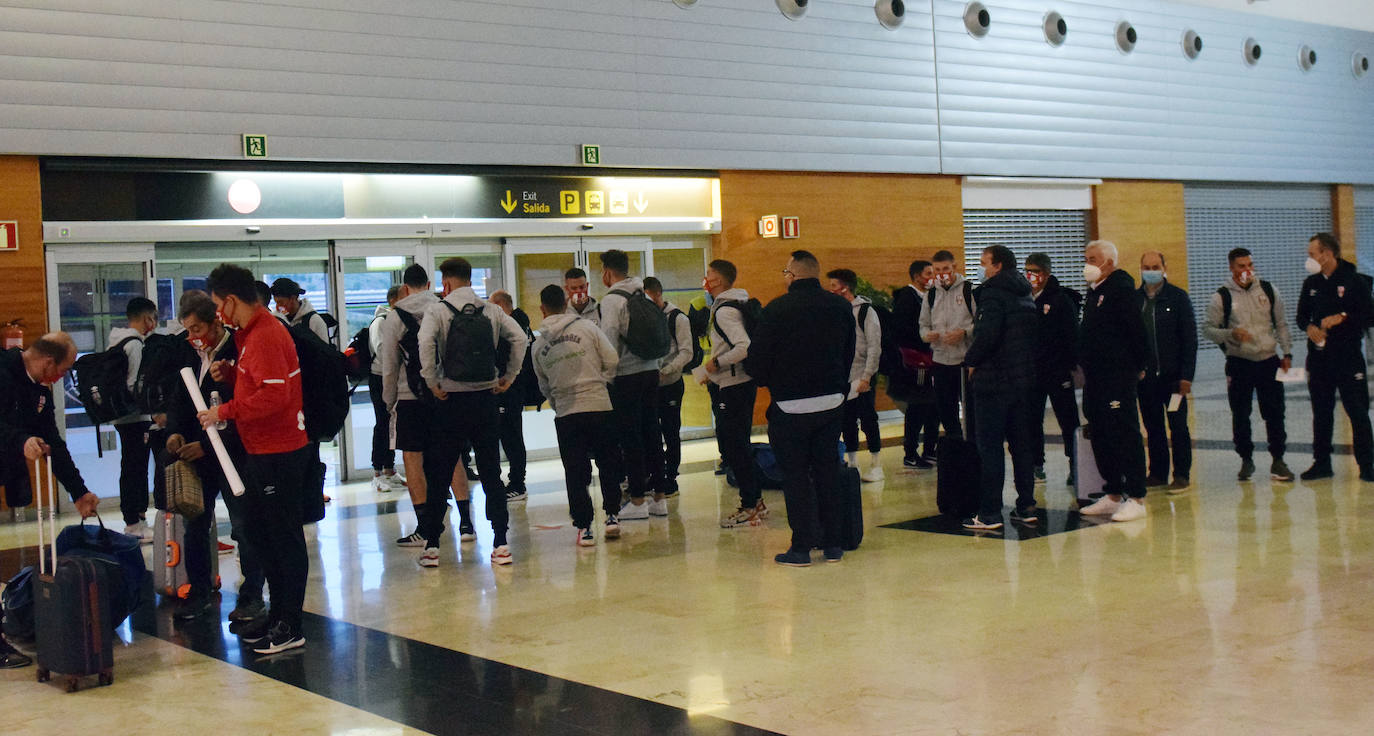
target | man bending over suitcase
[{"x": 28, "y": 431}]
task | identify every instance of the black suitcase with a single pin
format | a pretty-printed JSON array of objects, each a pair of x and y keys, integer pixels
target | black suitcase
[
  {"x": 851, "y": 509},
  {"x": 72, "y": 623},
  {"x": 957, "y": 469}
]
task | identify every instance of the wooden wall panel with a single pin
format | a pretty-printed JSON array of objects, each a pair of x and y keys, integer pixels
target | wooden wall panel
[
  {"x": 22, "y": 280},
  {"x": 1142, "y": 216},
  {"x": 875, "y": 224},
  {"x": 1343, "y": 223}
]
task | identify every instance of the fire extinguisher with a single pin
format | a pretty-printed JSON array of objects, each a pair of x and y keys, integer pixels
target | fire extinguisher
[{"x": 13, "y": 334}]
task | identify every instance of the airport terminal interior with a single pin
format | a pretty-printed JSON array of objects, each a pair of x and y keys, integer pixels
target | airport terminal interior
[{"x": 338, "y": 143}]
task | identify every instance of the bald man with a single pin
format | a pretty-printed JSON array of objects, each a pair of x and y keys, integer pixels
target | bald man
[{"x": 1171, "y": 357}]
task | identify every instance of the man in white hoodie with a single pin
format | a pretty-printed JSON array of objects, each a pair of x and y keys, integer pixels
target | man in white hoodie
[
  {"x": 671, "y": 389},
  {"x": 134, "y": 444},
  {"x": 947, "y": 324},
  {"x": 574, "y": 362},
  {"x": 384, "y": 478},
  {"x": 735, "y": 388},
  {"x": 457, "y": 343},
  {"x": 634, "y": 393},
  {"x": 860, "y": 407},
  {"x": 297, "y": 311}
]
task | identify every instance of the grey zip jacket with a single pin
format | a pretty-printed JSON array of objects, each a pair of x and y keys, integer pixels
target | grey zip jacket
[
  {"x": 133, "y": 350},
  {"x": 1251, "y": 310},
  {"x": 615, "y": 322},
  {"x": 868, "y": 345},
  {"x": 574, "y": 361},
  {"x": 395, "y": 387},
  {"x": 434, "y": 331},
  {"x": 729, "y": 352},
  {"x": 949, "y": 313},
  {"x": 680, "y": 354}
]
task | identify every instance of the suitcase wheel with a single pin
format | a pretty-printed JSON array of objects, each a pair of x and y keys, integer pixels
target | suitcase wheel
[
  {"x": 73, "y": 683},
  {"x": 44, "y": 675},
  {"x": 106, "y": 678}
]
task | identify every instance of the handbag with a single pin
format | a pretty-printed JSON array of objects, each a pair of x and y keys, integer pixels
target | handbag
[{"x": 184, "y": 493}]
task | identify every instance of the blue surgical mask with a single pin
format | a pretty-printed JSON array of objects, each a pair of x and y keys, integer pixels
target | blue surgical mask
[
  {"x": 1152, "y": 277},
  {"x": 983, "y": 273}
]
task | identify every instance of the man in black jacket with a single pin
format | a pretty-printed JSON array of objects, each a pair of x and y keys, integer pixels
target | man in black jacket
[
  {"x": 1002, "y": 362},
  {"x": 1056, "y": 355},
  {"x": 28, "y": 431},
  {"x": 1334, "y": 308},
  {"x": 186, "y": 441},
  {"x": 1171, "y": 357},
  {"x": 910, "y": 382},
  {"x": 801, "y": 350},
  {"x": 511, "y": 404},
  {"x": 1111, "y": 349}
]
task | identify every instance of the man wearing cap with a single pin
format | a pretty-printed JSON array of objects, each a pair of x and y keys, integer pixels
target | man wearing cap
[{"x": 296, "y": 310}]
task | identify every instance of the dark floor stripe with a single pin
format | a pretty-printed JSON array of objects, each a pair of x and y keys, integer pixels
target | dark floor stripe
[{"x": 431, "y": 688}]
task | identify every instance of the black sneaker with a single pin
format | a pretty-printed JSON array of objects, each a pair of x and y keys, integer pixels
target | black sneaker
[
  {"x": 1247, "y": 469},
  {"x": 11, "y": 658},
  {"x": 1278, "y": 470},
  {"x": 1040, "y": 474},
  {"x": 1156, "y": 482},
  {"x": 833, "y": 554},
  {"x": 282, "y": 639},
  {"x": 721, "y": 467},
  {"x": 253, "y": 633},
  {"x": 1367, "y": 475},
  {"x": 917, "y": 463},
  {"x": 1318, "y": 471},
  {"x": 1070, "y": 482},
  {"x": 1028, "y": 515},
  {"x": 930, "y": 456},
  {"x": 196, "y": 606},
  {"x": 794, "y": 558},
  {"x": 466, "y": 532},
  {"x": 515, "y": 493},
  {"x": 248, "y": 609},
  {"x": 470, "y": 473},
  {"x": 413, "y": 539}
]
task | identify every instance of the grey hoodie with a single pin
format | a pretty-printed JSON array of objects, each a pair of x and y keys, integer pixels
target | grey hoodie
[
  {"x": 134, "y": 351},
  {"x": 374, "y": 336},
  {"x": 615, "y": 322},
  {"x": 868, "y": 345},
  {"x": 729, "y": 352},
  {"x": 303, "y": 317},
  {"x": 949, "y": 313},
  {"x": 434, "y": 331},
  {"x": 591, "y": 311},
  {"x": 574, "y": 361},
  {"x": 680, "y": 354},
  {"x": 1251, "y": 310},
  {"x": 395, "y": 387}
]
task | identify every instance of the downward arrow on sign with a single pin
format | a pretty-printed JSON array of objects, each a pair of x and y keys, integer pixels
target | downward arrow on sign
[
  {"x": 641, "y": 203},
  {"x": 508, "y": 204}
]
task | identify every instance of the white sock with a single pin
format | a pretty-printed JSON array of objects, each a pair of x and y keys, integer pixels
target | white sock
[
  {"x": 876, "y": 460},
  {"x": 852, "y": 458}
]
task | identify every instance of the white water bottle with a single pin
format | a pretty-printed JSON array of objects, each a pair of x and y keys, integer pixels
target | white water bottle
[{"x": 214, "y": 401}]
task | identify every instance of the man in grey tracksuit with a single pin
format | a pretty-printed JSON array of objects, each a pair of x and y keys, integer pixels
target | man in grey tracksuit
[
  {"x": 859, "y": 406},
  {"x": 467, "y": 409},
  {"x": 1257, "y": 343},
  {"x": 735, "y": 389},
  {"x": 671, "y": 387},
  {"x": 634, "y": 393},
  {"x": 574, "y": 362},
  {"x": 947, "y": 324},
  {"x": 295, "y": 310}
]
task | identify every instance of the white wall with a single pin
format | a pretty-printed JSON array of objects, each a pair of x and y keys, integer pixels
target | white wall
[{"x": 1355, "y": 14}]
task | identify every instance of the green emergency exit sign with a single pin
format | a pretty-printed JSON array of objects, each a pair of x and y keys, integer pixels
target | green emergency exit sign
[
  {"x": 254, "y": 146},
  {"x": 591, "y": 155}
]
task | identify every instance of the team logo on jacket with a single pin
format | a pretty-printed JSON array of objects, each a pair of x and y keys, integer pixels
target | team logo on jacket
[
  {"x": 1047, "y": 309},
  {"x": 42, "y": 402},
  {"x": 1340, "y": 292},
  {"x": 1115, "y": 405},
  {"x": 1100, "y": 297}
]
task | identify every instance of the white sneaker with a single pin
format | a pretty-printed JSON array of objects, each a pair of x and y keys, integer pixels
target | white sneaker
[
  {"x": 430, "y": 557},
  {"x": 657, "y": 507},
  {"x": 396, "y": 482},
  {"x": 873, "y": 474},
  {"x": 140, "y": 530},
  {"x": 585, "y": 538},
  {"x": 1104, "y": 506},
  {"x": 632, "y": 510},
  {"x": 1130, "y": 510},
  {"x": 501, "y": 555},
  {"x": 381, "y": 485}
]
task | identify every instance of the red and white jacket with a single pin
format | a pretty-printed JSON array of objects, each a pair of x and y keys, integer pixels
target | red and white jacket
[{"x": 267, "y": 388}]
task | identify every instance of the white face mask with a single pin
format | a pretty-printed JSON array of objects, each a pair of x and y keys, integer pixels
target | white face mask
[
  {"x": 1092, "y": 274},
  {"x": 1312, "y": 265},
  {"x": 1246, "y": 278}
]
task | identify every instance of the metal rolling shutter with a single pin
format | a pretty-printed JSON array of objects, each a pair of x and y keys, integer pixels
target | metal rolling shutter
[
  {"x": 1059, "y": 233},
  {"x": 1364, "y": 228},
  {"x": 1273, "y": 221}
]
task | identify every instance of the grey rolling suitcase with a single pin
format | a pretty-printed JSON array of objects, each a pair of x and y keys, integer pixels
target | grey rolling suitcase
[
  {"x": 72, "y": 620},
  {"x": 1087, "y": 479},
  {"x": 169, "y": 563}
]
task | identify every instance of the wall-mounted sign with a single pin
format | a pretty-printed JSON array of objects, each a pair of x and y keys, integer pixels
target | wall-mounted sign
[
  {"x": 791, "y": 227},
  {"x": 591, "y": 155},
  {"x": 9, "y": 235},
  {"x": 254, "y": 146},
  {"x": 768, "y": 226}
]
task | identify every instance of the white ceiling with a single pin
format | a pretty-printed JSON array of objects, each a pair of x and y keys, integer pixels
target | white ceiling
[{"x": 1356, "y": 14}]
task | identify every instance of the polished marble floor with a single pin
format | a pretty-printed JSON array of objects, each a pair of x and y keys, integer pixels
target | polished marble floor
[{"x": 1234, "y": 608}]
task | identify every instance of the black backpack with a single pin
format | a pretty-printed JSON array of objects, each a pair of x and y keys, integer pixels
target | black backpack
[
  {"x": 409, "y": 346},
  {"x": 331, "y": 325},
  {"x": 526, "y": 384},
  {"x": 646, "y": 335},
  {"x": 324, "y": 384},
  {"x": 102, "y": 384},
  {"x": 1226, "y": 305},
  {"x": 469, "y": 351},
  {"x": 159, "y": 371},
  {"x": 968, "y": 297},
  {"x": 358, "y": 357},
  {"x": 698, "y": 354},
  {"x": 890, "y": 358},
  {"x": 752, "y": 310}
]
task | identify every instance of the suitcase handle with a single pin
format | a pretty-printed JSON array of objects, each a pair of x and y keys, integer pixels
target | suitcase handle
[
  {"x": 46, "y": 492},
  {"x": 173, "y": 554}
]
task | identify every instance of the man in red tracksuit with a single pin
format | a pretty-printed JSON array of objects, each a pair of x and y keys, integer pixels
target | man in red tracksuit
[{"x": 266, "y": 409}]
